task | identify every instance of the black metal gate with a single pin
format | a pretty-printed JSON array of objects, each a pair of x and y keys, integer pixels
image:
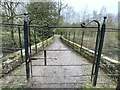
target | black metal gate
[
  {"x": 98, "y": 46},
  {"x": 28, "y": 48}
]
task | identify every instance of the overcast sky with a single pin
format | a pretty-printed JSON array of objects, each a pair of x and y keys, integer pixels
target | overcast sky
[{"x": 90, "y": 5}]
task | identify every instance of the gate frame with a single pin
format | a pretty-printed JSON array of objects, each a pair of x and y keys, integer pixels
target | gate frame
[{"x": 97, "y": 50}]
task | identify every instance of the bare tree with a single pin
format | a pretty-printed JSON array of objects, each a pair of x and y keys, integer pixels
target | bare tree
[
  {"x": 71, "y": 15},
  {"x": 60, "y": 7},
  {"x": 9, "y": 14}
]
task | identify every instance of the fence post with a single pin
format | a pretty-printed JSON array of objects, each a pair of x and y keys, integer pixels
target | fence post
[
  {"x": 26, "y": 47},
  {"x": 73, "y": 39},
  {"x": 48, "y": 35},
  {"x": 42, "y": 39},
  {"x": 29, "y": 36},
  {"x": 45, "y": 57},
  {"x": 82, "y": 41},
  {"x": 99, "y": 52},
  {"x": 66, "y": 35},
  {"x": 61, "y": 34},
  {"x": 35, "y": 42},
  {"x": 69, "y": 38},
  {"x": 20, "y": 43},
  {"x": 53, "y": 34},
  {"x": 96, "y": 48}
]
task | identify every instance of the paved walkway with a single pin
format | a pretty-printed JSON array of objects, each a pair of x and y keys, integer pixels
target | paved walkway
[{"x": 63, "y": 72}]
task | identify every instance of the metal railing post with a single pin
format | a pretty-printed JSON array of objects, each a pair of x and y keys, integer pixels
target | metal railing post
[
  {"x": 82, "y": 41},
  {"x": 73, "y": 39},
  {"x": 45, "y": 58},
  {"x": 42, "y": 39},
  {"x": 26, "y": 47},
  {"x": 29, "y": 36},
  {"x": 66, "y": 35},
  {"x": 96, "y": 48},
  {"x": 61, "y": 34},
  {"x": 47, "y": 34},
  {"x": 20, "y": 43},
  {"x": 53, "y": 34},
  {"x": 69, "y": 38},
  {"x": 35, "y": 42},
  {"x": 99, "y": 52}
]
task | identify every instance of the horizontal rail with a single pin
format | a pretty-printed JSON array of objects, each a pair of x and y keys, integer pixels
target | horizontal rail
[
  {"x": 36, "y": 26},
  {"x": 103, "y": 83},
  {"x": 70, "y": 76},
  {"x": 98, "y": 75},
  {"x": 65, "y": 65},
  {"x": 113, "y": 28},
  {"x": 60, "y": 27},
  {"x": 66, "y": 83},
  {"x": 81, "y": 75},
  {"x": 35, "y": 58},
  {"x": 110, "y": 64},
  {"x": 57, "y": 50},
  {"x": 11, "y": 75},
  {"x": 107, "y": 30},
  {"x": 49, "y": 76},
  {"x": 5, "y": 24}
]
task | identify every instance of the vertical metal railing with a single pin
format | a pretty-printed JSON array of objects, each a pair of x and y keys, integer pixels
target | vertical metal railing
[
  {"x": 29, "y": 31},
  {"x": 43, "y": 39},
  {"x": 68, "y": 38},
  {"x": 35, "y": 42},
  {"x": 45, "y": 57},
  {"x": 82, "y": 40},
  {"x": 26, "y": 47},
  {"x": 20, "y": 43},
  {"x": 73, "y": 39},
  {"x": 96, "y": 48},
  {"x": 99, "y": 52}
]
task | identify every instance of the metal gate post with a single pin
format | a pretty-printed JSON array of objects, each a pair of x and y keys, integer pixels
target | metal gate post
[
  {"x": 99, "y": 52},
  {"x": 45, "y": 57},
  {"x": 29, "y": 36},
  {"x": 96, "y": 47},
  {"x": 26, "y": 47}
]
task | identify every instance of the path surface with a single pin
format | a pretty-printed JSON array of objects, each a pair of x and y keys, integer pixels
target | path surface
[{"x": 68, "y": 66}]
